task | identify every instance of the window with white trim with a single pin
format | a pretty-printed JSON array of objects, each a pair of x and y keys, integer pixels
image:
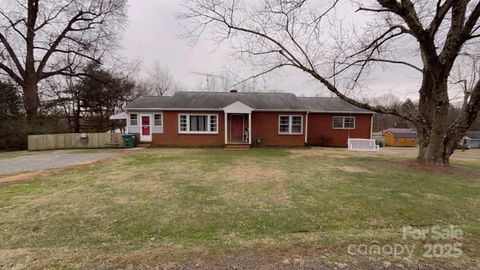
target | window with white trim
[
  {"x": 198, "y": 123},
  {"x": 213, "y": 123},
  {"x": 158, "y": 120},
  {"x": 290, "y": 124},
  {"x": 133, "y": 119},
  {"x": 344, "y": 122},
  {"x": 183, "y": 123}
]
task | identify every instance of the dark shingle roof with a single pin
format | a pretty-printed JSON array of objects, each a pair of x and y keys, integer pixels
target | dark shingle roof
[
  {"x": 149, "y": 102},
  {"x": 411, "y": 134},
  {"x": 474, "y": 135},
  {"x": 219, "y": 100},
  {"x": 257, "y": 101},
  {"x": 329, "y": 104}
]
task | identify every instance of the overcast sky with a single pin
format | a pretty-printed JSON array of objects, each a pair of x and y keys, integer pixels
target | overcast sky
[{"x": 153, "y": 35}]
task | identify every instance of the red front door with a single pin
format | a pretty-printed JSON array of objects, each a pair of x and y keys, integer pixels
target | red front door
[
  {"x": 237, "y": 126},
  {"x": 146, "y": 125}
]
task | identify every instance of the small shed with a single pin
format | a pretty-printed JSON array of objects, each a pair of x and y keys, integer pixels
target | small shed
[
  {"x": 471, "y": 139},
  {"x": 400, "y": 137}
]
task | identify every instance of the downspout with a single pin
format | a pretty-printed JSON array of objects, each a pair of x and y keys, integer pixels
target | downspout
[
  {"x": 306, "y": 129},
  {"x": 371, "y": 126},
  {"x": 127, "y": 126},
  {"x": 250, "y": 128},
  {"x": 225, "y": 128},
  {"x": 243, "y": 126}
]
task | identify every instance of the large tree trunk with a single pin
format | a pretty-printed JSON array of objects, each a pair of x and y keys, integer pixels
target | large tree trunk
[
  {"x": 434, "y": 148},
  {"x": 31, "y": 100},
  {"x": 76, "y": 112}
]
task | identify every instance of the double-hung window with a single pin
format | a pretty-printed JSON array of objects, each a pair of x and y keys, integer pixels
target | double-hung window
[
  {"x": 158, "y": 120},
  {"x": 344, "y": 122},
  {"x": 198, "y": 123},
  {"x": 133, "y": 119},
  {"x": 290, "y": 124}
]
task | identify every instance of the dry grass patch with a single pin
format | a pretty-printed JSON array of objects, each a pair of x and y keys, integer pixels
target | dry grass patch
[
  {"x": 329, "y": 152},
  {"x": 254, "y": 173},
  {"x": 254, "y": 184},
  {"x": 353, "y": 169}
]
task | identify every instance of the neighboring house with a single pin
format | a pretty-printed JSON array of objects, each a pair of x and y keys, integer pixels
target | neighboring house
[
  {"x": 400, "y": 137},
  {"x": 223, "y": 118},
  {"x": 471, "y": 139}
]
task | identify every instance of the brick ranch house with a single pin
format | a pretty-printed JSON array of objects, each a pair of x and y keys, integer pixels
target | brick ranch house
[{"x": 224, "y": 118}]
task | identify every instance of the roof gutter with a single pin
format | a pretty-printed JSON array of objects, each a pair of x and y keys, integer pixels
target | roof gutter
[
  {"x": 280, "y": 110},
  {"x": 255, "y": 110},
  {"x": 354, "y": 112},
  {"x": 172, "y": 109}
]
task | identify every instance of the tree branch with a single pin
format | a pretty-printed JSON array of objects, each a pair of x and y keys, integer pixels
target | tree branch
[
  {"x": 378, "y": 109},
  {"x": 12, "y": 74},
  {"x": 440, "y": 14},
  {"x": 467, "y": 116},
  {"x": 262, "y": 73},
  {"x": 14, "y": 24},
  {"x": 51, "y": 18},
  {"x": 12, "y": 54},
  {"x": 406, "y": 10},
  {"x": 63, "y": 34},
  {"x": 397, "y": 62}
]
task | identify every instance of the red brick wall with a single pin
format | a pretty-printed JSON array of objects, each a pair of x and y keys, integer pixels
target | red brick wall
[
  {"x": 321, "y": 132},
  {"x": 265, "y": 126},
  {"x": 171, "y": 137}
]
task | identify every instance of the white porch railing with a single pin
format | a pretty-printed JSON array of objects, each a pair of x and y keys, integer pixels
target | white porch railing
[{"x": 362, "y": 145}]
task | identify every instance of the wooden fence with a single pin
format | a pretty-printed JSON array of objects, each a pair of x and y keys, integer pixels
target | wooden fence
[{"x": 74, "y": 141}]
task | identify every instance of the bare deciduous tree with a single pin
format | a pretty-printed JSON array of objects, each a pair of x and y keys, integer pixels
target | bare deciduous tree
[
  {"x": 426, "y": 36},
  {"x": 87, "y": 102},
  {"x": 41, "y": 39},
  {"x": 159, "y": 82}
]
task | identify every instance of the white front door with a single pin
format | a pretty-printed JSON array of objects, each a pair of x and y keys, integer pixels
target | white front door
[{"x": 146, "y": 128}]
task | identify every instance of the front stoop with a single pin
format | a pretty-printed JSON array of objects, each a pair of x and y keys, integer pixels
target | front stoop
[
  {"x": 237, "y": 146},
  {"x": 144, "y": 145}
]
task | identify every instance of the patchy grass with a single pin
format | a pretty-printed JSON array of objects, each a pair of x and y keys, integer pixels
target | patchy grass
[
  {"x": 161, "y": 206},
  {"x": 94, "y": 150}
]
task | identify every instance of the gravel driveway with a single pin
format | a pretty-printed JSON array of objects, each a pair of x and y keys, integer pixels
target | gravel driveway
[{"x": 49, "y": 160}]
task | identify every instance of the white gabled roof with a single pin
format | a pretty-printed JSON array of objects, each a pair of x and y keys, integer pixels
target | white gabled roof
[{"x": 238, "y": 107}]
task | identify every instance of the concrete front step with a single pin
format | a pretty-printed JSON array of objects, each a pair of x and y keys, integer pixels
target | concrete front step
[
  {"x": 144, "y": 145},
  {"x": 240, "y": 146}
]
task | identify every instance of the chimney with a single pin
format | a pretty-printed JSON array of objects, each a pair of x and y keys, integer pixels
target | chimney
[{"x": 233, "y": 91}]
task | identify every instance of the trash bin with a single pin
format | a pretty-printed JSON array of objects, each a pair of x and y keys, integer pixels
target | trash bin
[{"x": 129, "y": 140}]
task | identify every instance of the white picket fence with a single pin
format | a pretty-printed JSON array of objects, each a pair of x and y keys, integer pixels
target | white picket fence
[{"x": 363, "y": 145}]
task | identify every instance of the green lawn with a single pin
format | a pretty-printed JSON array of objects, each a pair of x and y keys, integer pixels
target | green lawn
[{"x": 161, "y": 206}]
